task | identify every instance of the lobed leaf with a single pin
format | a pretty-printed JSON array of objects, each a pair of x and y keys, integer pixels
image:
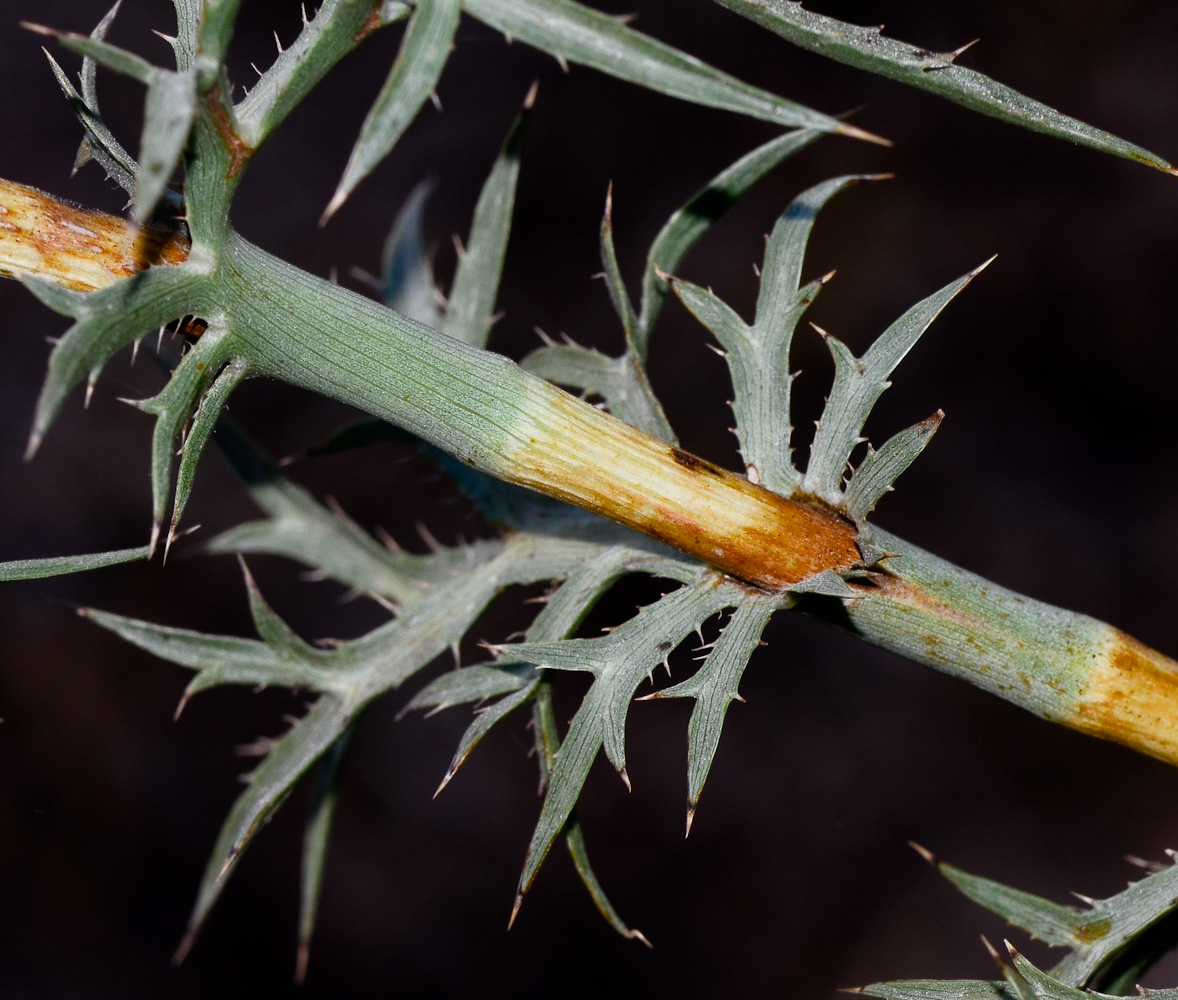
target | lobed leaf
[
  {"x": 414, "y": 75},
  {"x": 858, "y": 383},
  {"x": 315, "y": 842},
  {"x": 1096, "y": 936},
  {"x": 619, "y": 662},
  {"x": 168, "y": 117},
  {"x": 107, "y": 320},
  {"x": 716, "y": 685},
  {"x": 869, "y": 49},
  {"x": 689, "y": 223},
  {"x": 880, "y": 469},
  {"x": 288, "y": 759}
]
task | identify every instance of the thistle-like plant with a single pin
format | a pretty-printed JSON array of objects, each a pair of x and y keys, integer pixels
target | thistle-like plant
[{"x": 581, "y": 496}]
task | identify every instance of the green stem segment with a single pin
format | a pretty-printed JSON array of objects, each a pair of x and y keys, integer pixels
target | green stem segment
[{"x": 483, "y": 408}]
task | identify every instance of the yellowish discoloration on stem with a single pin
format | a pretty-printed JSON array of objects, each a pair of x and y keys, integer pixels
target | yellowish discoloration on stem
[
  {"x": 1131, "y": 697},
  {"x": 73, "y": 247},
  {"x": 595, "y": 461}
]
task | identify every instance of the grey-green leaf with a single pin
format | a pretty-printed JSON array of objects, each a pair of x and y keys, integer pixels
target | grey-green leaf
[
  {"x": 869, "y": 49},
  {"x": 331, "y": 33},
  {"x": 315, "y": 844},
  {"x": 858, "y": 383},
  {"x": 575, "y": 33},
  {"x": 424, "y": 51},
  {"x": 715, "y": 686},
  {"x": 880, "y": 469},
  {"x": 619, "y": 661},
  {"x": 685, "y": 227}
]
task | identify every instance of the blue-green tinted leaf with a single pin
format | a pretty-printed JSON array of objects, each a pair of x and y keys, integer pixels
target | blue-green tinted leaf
[
  {"x": 858, "y": 383},
  {"x": 315, "y": 844},
  {"x": 287, "y": 760},
  {"x": 406, "y": 274}
]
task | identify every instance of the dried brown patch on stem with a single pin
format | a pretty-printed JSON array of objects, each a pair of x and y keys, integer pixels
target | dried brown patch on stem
[
  {"x": 1131, "y": 697},
  {"x": 579, "y": 454},
  {"x": 239, "y": 150},
  {"x": 73, "y": 247}
]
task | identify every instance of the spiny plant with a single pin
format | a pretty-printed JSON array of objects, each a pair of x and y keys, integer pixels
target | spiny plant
[{"x": 582, "y": 496}]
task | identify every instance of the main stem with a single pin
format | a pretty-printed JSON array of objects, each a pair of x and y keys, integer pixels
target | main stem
[{"x": 1061, "y": 666}]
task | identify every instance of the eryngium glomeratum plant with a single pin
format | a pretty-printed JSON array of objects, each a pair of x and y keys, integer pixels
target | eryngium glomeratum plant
[{"x": 581, "y": 497}]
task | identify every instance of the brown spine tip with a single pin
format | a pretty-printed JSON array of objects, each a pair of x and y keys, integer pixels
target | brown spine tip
[
  {"x": 519, "y": 901},
  {"x": 924, "y": 852}
]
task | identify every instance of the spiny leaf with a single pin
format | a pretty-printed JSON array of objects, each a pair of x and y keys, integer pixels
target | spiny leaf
[
  {"x": 414, "y": 75},
  {"x": 547, "y": 745},
  {"x": 173, "y": 407},
  {"x": 880, "y": 469},
  {"x": 758, "y": 355},
  {"x": 867, "y": 48},
  {"x": 716, "y": 685},
  {"x": 212, "y": 403},
  {"x": 406, "y": 274},
  {"x": 619, "y": 662},
  {"x": 858, "y": 383},
  {"x": 315, "y": 843},
  {"x": 949, "y": 989},
  {"x": 39, "y": 569},
  {"x": 334, "y": 31},
  {"x": 223, "y": 659},
  {"x": 471, "y": 307},
  {"x": 467, "y": 684},
  {"x": 279, "y": 636},
  {"x": 111, "y": 56},
  {"x": 288, "y": 759},
  {"x": 575, "y": 33},
  {"x": 99, "y": 143},
  {"x": 685, "y": 227},
  {"x": 299, "y": 527},
  {"x": 106, "y": 321},
  {"x": 1095, "y": 935}
]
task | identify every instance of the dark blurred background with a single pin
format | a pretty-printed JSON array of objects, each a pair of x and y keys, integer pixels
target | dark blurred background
[{"x": 1053, "y": 475}]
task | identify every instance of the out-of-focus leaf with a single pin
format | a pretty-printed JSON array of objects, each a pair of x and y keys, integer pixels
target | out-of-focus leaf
[
  {"x": 471, "y": 307},
  {"x": 39, "y": 569}
]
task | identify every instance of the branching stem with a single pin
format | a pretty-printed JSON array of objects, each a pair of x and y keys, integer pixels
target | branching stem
[{"x": 1062, "y": 666}]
